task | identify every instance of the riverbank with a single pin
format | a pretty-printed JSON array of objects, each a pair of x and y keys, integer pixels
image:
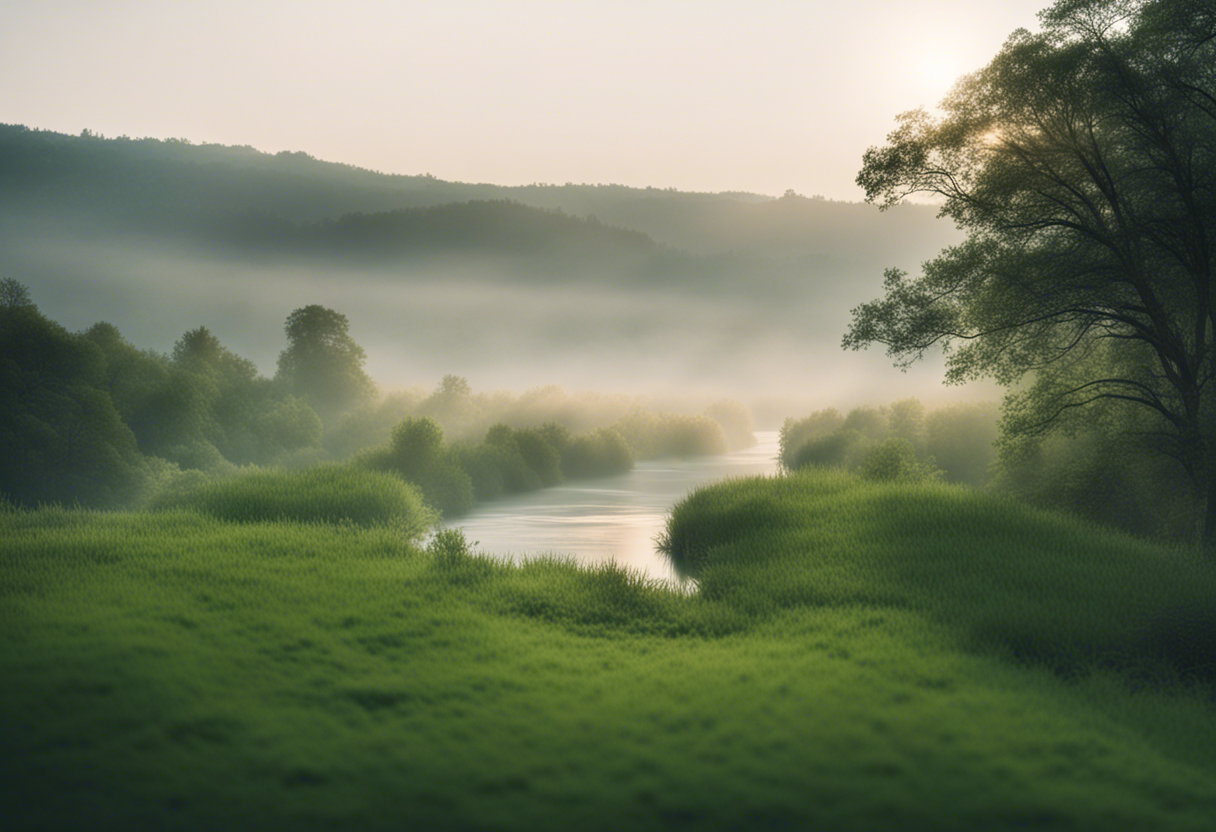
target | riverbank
[
  {"x": 837, "y": 670},
  {"x": 609, "y": 518}
]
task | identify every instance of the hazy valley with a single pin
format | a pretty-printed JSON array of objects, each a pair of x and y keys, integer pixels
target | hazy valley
[{"x": 336, "y": 499}]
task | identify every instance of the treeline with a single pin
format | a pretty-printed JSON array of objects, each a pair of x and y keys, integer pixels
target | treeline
[
  {"x": 473, "y": 227},
  {"x": 903, "y": 441},
  {"x": 154, "y": 184},
  {"x": 1103, "y": 471},
  {"x": 89, "y": 419}
]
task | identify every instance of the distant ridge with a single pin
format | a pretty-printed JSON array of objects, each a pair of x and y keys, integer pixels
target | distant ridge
[
  {"x": 592, "y": 286},
  {"x": 160, "y": 183}
]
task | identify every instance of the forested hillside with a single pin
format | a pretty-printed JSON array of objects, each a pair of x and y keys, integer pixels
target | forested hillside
[
  {"x": 143, "y": 183},
  {"x": 590, "y": 286}
]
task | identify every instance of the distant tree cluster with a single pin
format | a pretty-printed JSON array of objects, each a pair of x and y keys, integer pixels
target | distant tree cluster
[
  {"x": 1102, "y": 471},
  {"x": 903, "y": 442},
  {"x": 89, "y": 419},
  {"x": 509, "y": 460}
]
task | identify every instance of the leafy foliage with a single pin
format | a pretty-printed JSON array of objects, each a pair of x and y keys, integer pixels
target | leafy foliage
[
  {"x": 902, "y": 441},
  {"x": 64, "y": 441},
  {"x": 322, "y": 363},
  {"x": 1081, "y": 162}
]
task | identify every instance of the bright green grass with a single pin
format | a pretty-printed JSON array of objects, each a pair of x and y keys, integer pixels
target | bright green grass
[
  {"x": 342, "y": 494},
  {"x": 844, "y": 667}
]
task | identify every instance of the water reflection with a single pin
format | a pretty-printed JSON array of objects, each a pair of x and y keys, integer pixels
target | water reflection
[{"x": 609, "y": 518}]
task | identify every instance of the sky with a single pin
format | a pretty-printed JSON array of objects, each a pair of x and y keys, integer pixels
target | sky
[{"x": 698, "y": 96}]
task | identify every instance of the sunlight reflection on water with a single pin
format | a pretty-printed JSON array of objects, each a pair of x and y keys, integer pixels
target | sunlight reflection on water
[{"x": 609, "y": 518}]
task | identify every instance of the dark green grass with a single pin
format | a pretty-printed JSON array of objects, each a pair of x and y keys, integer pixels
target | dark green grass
[{"x": 844, "y": 667}]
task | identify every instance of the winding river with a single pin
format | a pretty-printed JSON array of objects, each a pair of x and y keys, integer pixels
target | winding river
[{"x": 611, "y": 517}]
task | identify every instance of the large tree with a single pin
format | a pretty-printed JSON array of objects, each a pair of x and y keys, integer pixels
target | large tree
[
  {"x": 322, "y": 363},
  {"x": 1081, "y": 162}
]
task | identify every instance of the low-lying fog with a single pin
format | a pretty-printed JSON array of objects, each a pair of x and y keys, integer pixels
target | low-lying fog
[{"x": 746, "y": 339}]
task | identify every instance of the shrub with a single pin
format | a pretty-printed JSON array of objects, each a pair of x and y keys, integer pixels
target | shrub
[
  {"x": 795, "y": 433},
  {"x": 540, "y": 456},
  {"x": 453, "y": 558},
  {"x": 325, "y": 494},
  {"x": 482, "y": 465},
  {"x": 962, "y": 439},
  {"x": 599, "y": 454},
  {"x": 517, "y": 475},
  {"x": 894, "y": 460},
  {"x": 836, "y": 450},
  {"x": 415, "y": 445},
  {"x": 447, "y": 487},
  {"x": 652, "y": 436}
]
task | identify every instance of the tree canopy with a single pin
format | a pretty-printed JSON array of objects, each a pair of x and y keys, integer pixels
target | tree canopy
[
  {"x": 322, "y": 363},
  {"x": 1081, "y": 163}
]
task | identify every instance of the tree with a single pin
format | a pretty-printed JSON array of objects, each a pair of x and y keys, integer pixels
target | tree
[
  {"x": 13, "y": 294},
  {"x": 451, "y": 404},
  {"x": 63, "y": 439},
  {"x": 1081, "y": 163},
  {"x": 322, "y": 363}
]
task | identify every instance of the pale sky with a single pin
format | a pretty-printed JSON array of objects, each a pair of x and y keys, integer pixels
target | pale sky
[{"x": 699, "y": 96}]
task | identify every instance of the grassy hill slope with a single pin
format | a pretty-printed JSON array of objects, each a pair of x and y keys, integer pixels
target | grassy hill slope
[{"x": 858, "y": 656}]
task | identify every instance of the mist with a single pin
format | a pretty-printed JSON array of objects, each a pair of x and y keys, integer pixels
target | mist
[{"x": 643, "y": 292}]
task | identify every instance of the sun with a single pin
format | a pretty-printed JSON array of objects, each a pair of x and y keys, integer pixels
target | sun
[{"x": 936, "y": 72}]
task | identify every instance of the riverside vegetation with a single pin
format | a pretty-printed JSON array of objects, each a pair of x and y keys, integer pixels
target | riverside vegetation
[
  {"x": 88, "y": 419},
  {"x": 282, "y": 647},
  {"x": 860, "y": 654},
  {"x": 871, "y": 645}
]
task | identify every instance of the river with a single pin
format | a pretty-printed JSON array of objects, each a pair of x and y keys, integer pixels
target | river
[{"x": 610, "y": 517}]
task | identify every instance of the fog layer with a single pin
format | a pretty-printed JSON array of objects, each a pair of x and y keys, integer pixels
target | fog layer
[{"x": 605, "y": 288}]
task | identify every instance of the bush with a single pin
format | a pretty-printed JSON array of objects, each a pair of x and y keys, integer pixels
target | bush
[
  {"x": 1111, "y": 479},
  {"x": 325, "y": 494},
  {"x": 197, "y": 454},
  {"x": 414, "y": 446},
  {"x": 836, "y": 450},
  {"x": 955, "y": 442},
  {"x": 447, "y": 487},
  {"x": 962, "y": 438},
  {"x": 894, "y": 460},
  {"x": 540, "y": 456},
  {"x": 603, "y": 453},
  {"x": 795, "y": 433},
  {"x": 482, "y": 464},
  {"x": 453, "y": 558},
  {"x": 652, "y": 436}
]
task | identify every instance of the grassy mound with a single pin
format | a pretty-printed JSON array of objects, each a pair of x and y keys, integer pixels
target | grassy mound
[
  {"x": 1037, "y": 586},
  {"x": 855, "y": 659},
  {"x": 324, "y": 494}
]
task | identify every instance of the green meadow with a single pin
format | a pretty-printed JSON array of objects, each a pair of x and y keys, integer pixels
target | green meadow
[{"x": 857, "y": 655}]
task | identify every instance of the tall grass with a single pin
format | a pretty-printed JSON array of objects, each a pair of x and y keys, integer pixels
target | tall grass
[{"x": 322, "y": 494}]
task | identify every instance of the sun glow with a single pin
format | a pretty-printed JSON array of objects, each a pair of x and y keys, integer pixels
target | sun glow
[
  {"x": 937, "y": 73},
  {"x": 992, "y": 139}
]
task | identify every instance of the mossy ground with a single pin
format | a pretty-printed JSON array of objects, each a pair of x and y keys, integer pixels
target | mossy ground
[{"x": 859, "y": 656}]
